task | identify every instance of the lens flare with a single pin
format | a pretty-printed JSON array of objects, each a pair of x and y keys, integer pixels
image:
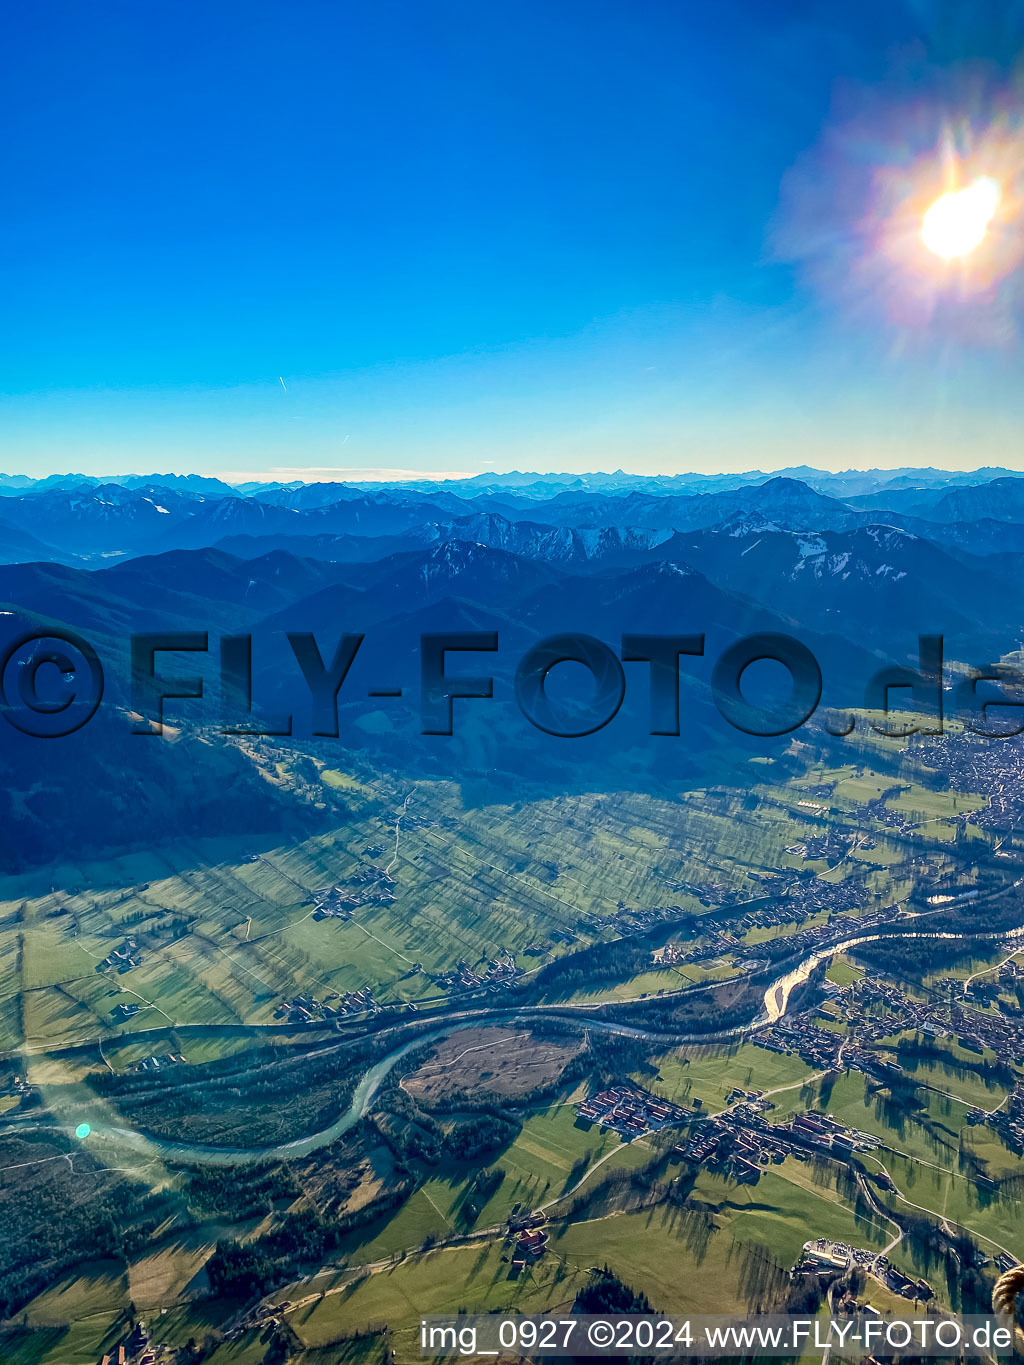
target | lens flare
[
  {"x": 83, "y": 1130},
  {"x": 907, "y": 213},
  {"x": 957, "y": 222}
]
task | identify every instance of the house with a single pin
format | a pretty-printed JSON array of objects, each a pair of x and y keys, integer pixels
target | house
[{"x": 532, "y": 1242}]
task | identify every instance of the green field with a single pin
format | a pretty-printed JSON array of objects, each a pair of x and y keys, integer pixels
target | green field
[
  {"x": 842, "y": 971},
  {"x": 981, "y": 1210},
  {"x": 684, "y": 1260},
  {"x": 711, "y": 1074},
  {"x": 469, "y": 883},
  {"x": 537, "y": 1168},
  {"x": 926, "y": 1126}
]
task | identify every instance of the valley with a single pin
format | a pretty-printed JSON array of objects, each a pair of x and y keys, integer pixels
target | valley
[{"x": 381, "y": 1027}]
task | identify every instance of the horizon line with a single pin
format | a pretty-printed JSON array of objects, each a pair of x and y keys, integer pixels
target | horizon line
[{"x": 312, "y": 474}]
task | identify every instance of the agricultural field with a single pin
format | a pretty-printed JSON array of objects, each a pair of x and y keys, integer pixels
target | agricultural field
[
  {"x": 224, "y": 941},
  {"x": 925, "y": 1125},
  {"x": 947, "y": 1068},
  {"x": 476, "y": 1277},
  {"x": 988, "y": 1214},
  {"x": 711, "y": 1074}
]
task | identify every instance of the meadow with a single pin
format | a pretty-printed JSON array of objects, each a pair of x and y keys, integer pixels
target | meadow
[{"x": 224, "y": 939}]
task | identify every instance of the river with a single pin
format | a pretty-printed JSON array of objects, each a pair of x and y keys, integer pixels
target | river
[{"x": 106, "y": 1131}]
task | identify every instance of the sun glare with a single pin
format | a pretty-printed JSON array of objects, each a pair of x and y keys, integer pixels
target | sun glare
[{"x": 957, "y": 222}]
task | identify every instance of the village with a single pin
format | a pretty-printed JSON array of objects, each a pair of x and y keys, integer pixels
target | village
[
  {"x": 371, "y": 886},
  {"x": 740, "y": 1141},
  {"x": 529, "y": 1237},
  {"x": 992, "y": 770},
  {"x": 871, "y": 1010},
  {"x": 501, "y": 972},
  {"x": 18, "y": 1088},
  {"x": 632, "y": 1111},
  {"x": 308, "y": 1009}
]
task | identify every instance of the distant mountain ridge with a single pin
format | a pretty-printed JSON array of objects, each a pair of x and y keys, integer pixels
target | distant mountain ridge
[
  {"x": 70, "y": 519},
  {"x": 845, "y": 483}
]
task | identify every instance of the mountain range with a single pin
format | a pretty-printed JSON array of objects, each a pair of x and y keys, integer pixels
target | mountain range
[{"x": 855, "y": 565}]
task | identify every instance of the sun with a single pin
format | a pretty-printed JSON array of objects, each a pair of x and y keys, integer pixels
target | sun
[{"x": 957, "y": 222}]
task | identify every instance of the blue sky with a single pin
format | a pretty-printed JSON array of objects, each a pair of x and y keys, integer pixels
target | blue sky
[{"x": 451, "y": 237}]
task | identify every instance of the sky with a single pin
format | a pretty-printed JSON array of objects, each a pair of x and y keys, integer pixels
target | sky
[{"x": 302, "y": 238}]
